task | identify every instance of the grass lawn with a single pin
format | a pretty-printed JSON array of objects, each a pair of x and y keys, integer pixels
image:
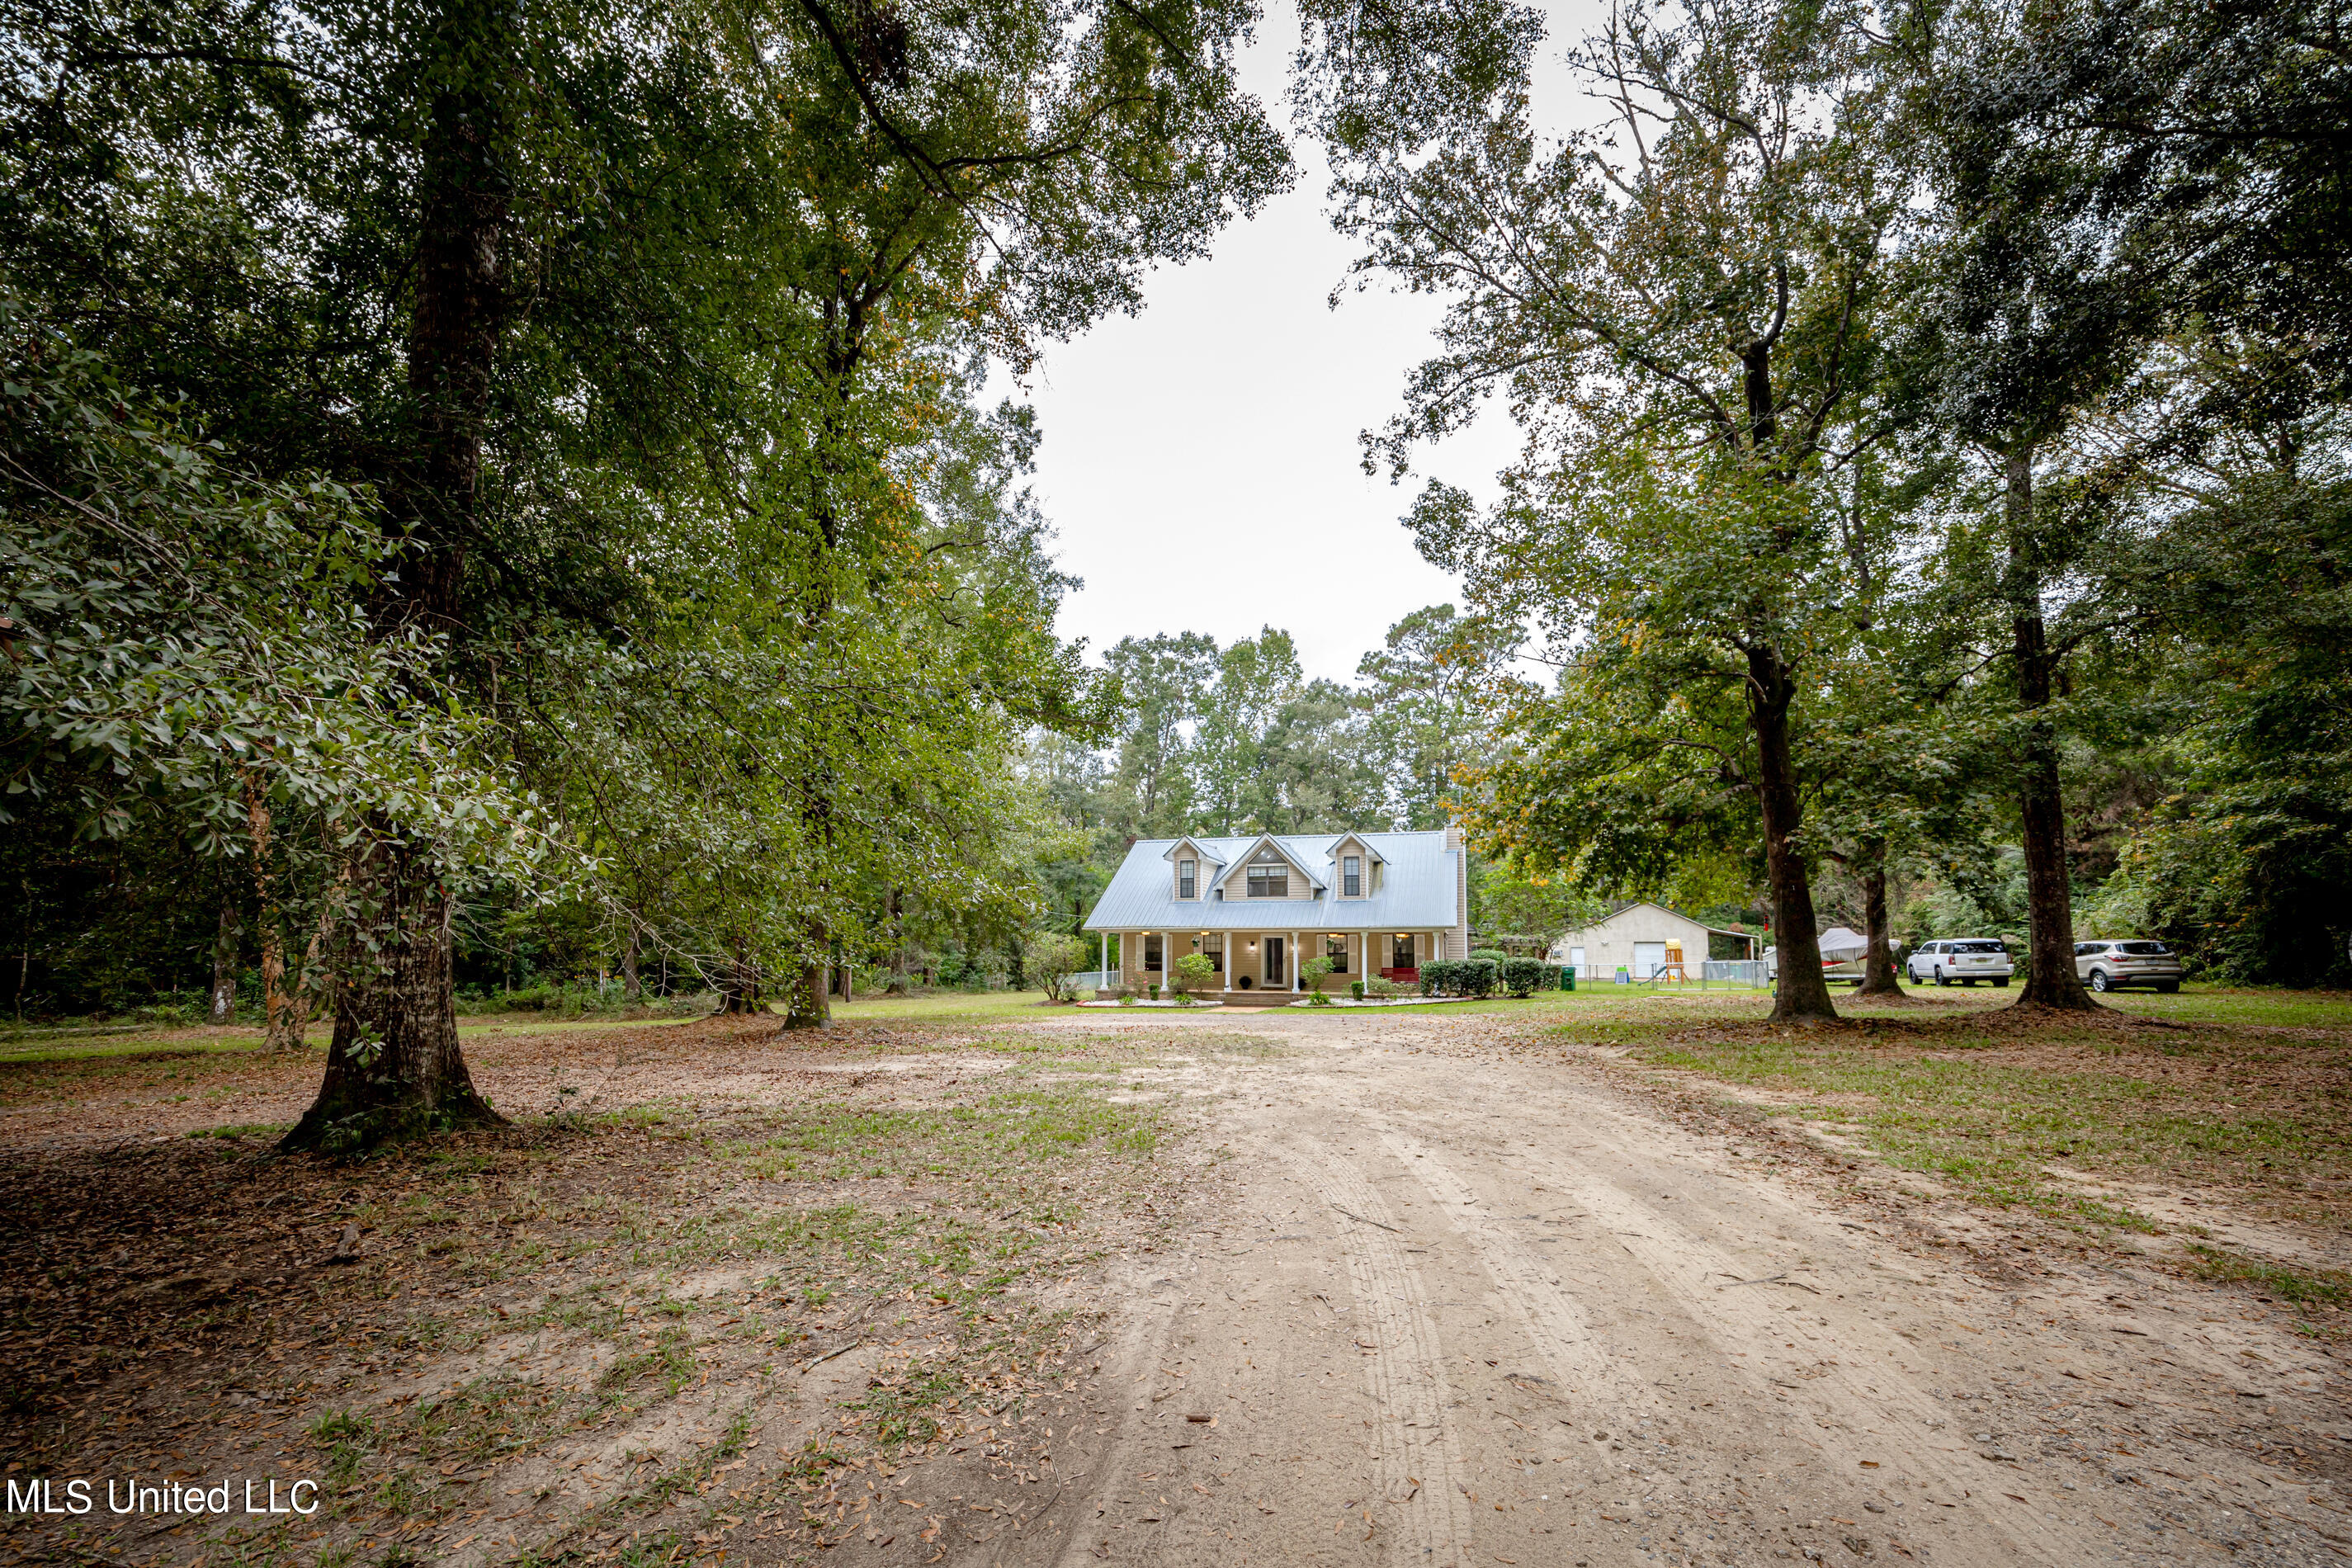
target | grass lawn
[
  {"x": 531, "y": 1024},
  {"x": 63, "y": 1045},
  {"x": 2132, "y": 1121},
  {"x": 948, "y": 1006},
  {"x": 2252, "y": 1007},
  {"x": 2158, "y": 1104},
  {"x": 648, "y": 1273}
]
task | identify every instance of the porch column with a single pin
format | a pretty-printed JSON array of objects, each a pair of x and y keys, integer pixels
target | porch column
[
  {"x": 1103, "y": 973},
  {"x": 1294, "y": 960}
]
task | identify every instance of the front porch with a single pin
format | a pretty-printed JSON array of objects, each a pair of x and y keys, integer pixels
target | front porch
[{"x": 1264, "y": 966}]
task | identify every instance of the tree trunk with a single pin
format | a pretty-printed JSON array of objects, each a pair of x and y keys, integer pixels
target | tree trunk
[
  {"x": 25, "y": 947},
  {"x": 279, "y": 1032},
  {"x": 2050, "y": 981},
  {"x": 809, "y": 1005},
  {"x": 633, "y": 990},
  {"x": 1800, "y": 991},
  {"x": 738, "y": 986},
  {"x": 314, "y": 981},
  {"x": 1878, "y": 977},
  {"x": 897, "y": 985},
  {"x": 225, "y": 954},
  {"x": 394, "y": 1067}
]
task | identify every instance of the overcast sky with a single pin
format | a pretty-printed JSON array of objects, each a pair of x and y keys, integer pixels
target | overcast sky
[{"x": 1211, "y": 440}]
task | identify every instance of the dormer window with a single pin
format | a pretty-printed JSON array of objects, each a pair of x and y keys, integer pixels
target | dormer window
[
  {"x": 1269, "y": 881},
  {"x": 1352, "y": 876},
  {"x": 1187, "y": 878}
]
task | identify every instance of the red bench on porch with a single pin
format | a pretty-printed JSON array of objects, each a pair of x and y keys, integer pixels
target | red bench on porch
[{"x": 1402, "y": 976}]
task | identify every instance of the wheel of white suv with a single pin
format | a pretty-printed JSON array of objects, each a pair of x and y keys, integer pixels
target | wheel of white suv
[
  {"x": 2099, "y": 981},
  {"x": 1941, "y": 978}
]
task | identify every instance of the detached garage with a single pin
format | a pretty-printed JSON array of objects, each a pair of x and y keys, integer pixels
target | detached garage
[{"x": 1641, "y": 939}]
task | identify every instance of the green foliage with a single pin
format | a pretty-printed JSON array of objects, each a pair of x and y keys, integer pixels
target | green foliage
[
  {"x": 1052, "y": 962},
  {"x": 1529, "y": 907},
  {"x": 1458, "y": 977},
  {"x": 1194, "y": 971},
  {"x": 690, "y": 522},
  {"x": 2248, "y": 863},
  {"x": 1316, "y": 971},
  {"x": 1428, "y": 690},
  {"x": 182, "y": 637},
  {"x": 1524, "y": 976},
  {"x": 1669, "y": 531}
]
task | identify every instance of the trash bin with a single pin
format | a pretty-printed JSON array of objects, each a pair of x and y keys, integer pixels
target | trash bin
[{"x": 1568, "y": 977}]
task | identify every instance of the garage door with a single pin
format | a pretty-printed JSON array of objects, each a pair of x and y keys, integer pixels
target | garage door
[{"x": 1647, "y": 956}]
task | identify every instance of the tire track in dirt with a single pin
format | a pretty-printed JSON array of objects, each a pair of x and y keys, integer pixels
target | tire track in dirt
[
  {"x": 1138, "y": 1346},
  {"x": 1692, "y": 1277},
  {"x": 1573, "y": 1346},
  {"x": 1697, "y": 1274},
  {"x": 1419, "y": 1472}
]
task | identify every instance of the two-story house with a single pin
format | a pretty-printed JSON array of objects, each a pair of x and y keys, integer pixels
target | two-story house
[{"x": 1259, "y": 906}]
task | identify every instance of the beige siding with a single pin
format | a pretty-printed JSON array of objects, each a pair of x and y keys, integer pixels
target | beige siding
[{"x": 1608, "y": 945}]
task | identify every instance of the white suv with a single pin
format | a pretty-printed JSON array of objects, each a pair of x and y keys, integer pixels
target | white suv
[
  {"x": 2111, "y": 965},
  {"x": 1966, "y": 959}
]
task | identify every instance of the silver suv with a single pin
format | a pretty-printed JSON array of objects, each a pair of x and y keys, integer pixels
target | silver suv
[
  {"x": 1966, "y": 959},
  {"x": 2111, "y": 965}
]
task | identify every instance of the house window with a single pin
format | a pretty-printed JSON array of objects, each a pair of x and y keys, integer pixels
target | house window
[
  {"x": 1401, "y": 953},
  {"x": 1151, "y": 953},
  {"x": 1269, "y": 881},
  {"x": 1185, "y": 877},
  {"x": 1352, "y": 876},
  {"x": 1335, "y": 948},
  {"x": 1215, "y": 946}
]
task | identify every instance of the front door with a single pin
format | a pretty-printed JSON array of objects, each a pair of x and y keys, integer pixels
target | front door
[{"x": 1274, "y": 973}]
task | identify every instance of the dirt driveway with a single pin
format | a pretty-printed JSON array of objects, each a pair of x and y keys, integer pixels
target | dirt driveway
[
  {"x": 1453, "y": 1310},
  {"x": 1426, "y": 1290}
]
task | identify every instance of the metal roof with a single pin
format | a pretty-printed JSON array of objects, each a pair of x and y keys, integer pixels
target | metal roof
[{"x": 1419, "y": 887}]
